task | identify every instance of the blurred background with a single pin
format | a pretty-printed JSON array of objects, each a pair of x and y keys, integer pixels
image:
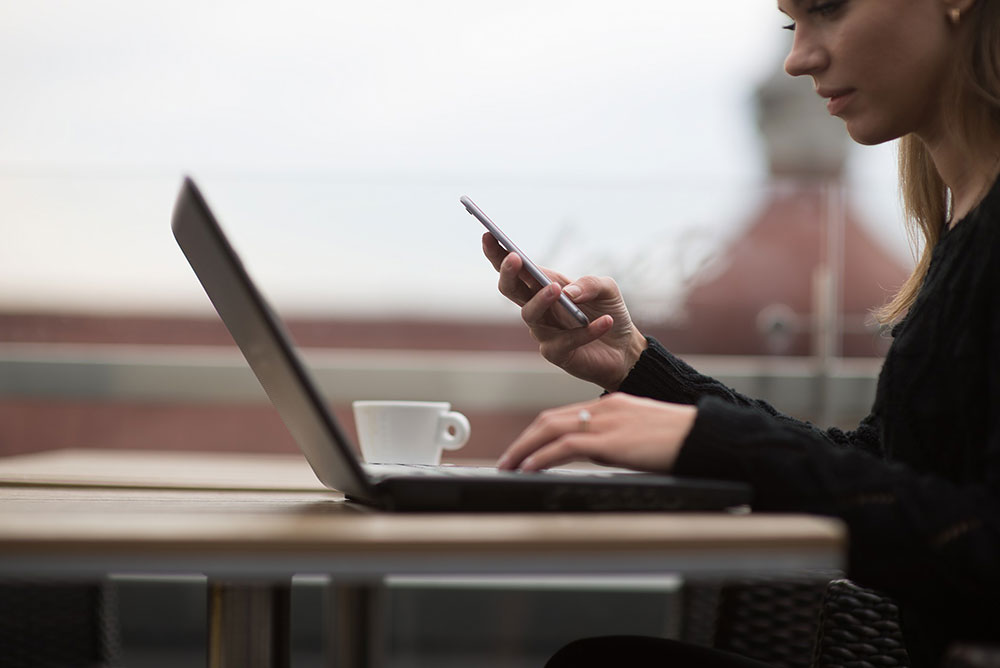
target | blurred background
[{"x": 658, "y": 143}]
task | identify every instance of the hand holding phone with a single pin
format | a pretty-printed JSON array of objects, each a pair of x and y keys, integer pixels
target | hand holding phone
[{"x": 530, "y": 266}]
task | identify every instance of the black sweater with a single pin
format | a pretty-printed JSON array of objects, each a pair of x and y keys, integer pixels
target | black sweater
[{"x": 918, "y": 482}]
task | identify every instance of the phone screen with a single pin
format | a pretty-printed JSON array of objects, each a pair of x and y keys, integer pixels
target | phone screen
[{"x": 529, "y": 266}]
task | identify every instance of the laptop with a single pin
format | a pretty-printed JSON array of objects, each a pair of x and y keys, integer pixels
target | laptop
[{"x": 271, "y": 354}]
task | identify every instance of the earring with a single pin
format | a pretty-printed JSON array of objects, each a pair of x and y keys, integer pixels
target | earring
[{"x": 955, "y": 14}]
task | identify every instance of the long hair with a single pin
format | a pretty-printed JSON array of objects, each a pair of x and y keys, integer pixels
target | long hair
[{"x": 974, "y": 118}]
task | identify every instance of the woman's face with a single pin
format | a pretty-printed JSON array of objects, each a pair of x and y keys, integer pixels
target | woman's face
[{"x": 883, "y": 65}]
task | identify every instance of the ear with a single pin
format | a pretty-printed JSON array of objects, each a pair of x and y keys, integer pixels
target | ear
[{"x": 956, "y": 9}]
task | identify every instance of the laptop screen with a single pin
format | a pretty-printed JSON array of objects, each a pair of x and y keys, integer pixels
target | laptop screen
[{"x": 266, "y": 345}]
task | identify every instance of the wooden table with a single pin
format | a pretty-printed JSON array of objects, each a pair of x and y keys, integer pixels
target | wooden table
[{"x": 250, "y": 522}]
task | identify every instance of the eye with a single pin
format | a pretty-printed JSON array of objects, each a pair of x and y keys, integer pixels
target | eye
[
  {"x": 827, "y": 8},
  {"x": 821, "y": 8}
]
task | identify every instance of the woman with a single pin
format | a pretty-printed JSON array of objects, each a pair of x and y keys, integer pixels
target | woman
[{"x": 918, "y": 482}]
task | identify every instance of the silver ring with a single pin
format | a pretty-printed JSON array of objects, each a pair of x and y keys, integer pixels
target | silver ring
[{"x": 584, "y": 418}]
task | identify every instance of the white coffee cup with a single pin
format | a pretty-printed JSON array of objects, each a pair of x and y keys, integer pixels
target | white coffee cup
[{"x": 408, "y": 432}]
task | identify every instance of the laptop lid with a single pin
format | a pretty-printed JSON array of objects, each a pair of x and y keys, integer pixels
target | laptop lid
[{"x": 266, "y": 345}]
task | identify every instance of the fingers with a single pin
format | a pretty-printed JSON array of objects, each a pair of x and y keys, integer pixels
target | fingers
[
  {"x": 601, "y": 293},
  {"x": 556, "y": 437},
  {"x": 539, "y": 306},
  {"x": 493, "y": 251},
  {"x": 565, "y": 450},
  {"x": 592, "y": 288},
  {"x": 515, "y": 283},
  {"x": 558, "y": 345},
  {"x": 619, "y": 430},
  {"x": 536, "y": 308}
]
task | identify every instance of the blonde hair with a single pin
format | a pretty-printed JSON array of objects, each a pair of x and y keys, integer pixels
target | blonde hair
[{"x": 975, "y": 120}]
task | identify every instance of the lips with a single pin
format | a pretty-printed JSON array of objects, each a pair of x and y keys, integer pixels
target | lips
[{"x": 837, "y": 99}]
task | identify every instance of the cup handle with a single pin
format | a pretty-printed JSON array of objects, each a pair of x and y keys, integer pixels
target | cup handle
[{"x": 457, "y": 422}]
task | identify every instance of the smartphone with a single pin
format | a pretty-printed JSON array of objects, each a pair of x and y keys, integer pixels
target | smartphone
[{"x": 530, "y": 266}]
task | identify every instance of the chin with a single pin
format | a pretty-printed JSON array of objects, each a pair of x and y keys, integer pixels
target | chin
[{"x": 870, "y": 136}]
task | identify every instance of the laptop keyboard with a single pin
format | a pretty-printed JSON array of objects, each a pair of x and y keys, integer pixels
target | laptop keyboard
[{"x": 469, "y": 471}]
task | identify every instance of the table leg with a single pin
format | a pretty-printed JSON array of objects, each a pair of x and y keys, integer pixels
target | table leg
[
  {"x": 249, "y": 624},
  {"x": 354, "y": 619}
]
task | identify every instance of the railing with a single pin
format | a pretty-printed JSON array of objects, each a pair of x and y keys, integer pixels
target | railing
[{"x": 841, "y": 389}]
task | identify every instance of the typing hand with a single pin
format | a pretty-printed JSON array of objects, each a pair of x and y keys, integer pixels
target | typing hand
[{"x": 619, "y": 430}]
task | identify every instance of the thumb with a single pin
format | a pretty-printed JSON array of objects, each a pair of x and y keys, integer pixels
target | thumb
[{"x": 589, "y": 288}]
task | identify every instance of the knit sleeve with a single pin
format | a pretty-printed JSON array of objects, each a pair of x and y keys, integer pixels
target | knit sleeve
[
  {"x": 909, "y": 532},
  {"x": 661, "y": 375},
  {"x": 920, "y": 492},
  {"x": 924, "y": 528}
]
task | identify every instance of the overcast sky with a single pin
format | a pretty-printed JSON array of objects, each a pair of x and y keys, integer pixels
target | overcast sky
[{"x": 352, "y": 129}]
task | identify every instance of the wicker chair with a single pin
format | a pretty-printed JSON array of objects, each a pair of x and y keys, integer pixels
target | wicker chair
[
  {"x": 796, "y": 623},
  {"x": 858, "y": 627}
]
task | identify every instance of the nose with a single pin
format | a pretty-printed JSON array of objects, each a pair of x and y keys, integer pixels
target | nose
[{"x": 807, "y": 55}]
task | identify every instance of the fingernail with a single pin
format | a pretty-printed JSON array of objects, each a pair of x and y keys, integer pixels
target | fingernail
[{"x": 572, "y": 291}]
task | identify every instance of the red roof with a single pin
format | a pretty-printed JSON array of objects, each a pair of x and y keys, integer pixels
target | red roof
[{"x": 773, "y": 265}]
